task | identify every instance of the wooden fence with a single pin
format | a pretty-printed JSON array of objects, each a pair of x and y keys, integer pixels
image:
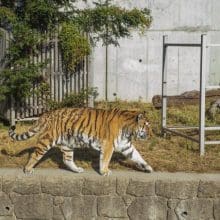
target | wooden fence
[{"x": 60, "y": 82}]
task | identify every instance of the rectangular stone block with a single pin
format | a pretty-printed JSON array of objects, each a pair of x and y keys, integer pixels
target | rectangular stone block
[
  {"x": 209, "y": 189},
  {"x": 58, "y": 218},
  {"x": 7, "y": 218},
  {"x": 27, "y": 185},
  {"x": 57, "y": 213},
  {"x": 111, "y": 207},
  {"x": 148, "y": 208},
  {"x": 65, "y": 186},
  {"x": 106, "y": 218},
  {"x": 141, "y": 188},
  {"x": 80, "y": 208},
  {"x": 172, "y": 204},
  {"x": 6, "y": 207},
  {"x": 194, "y": 209},
  {"x": 176, "y": 189},
  {"x": 33, "y": 206},
  {"x": 217, "y": 208},
  {"x": 122, "y": 184},
  {"x": 99, "y": 186},
  {"x": 1, "y": 182},
  {"x": 22, "y": 185},
  {"x": 8, "y": 184}
]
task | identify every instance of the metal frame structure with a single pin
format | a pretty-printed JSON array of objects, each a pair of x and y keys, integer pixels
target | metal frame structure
[{"x": 203, "y": 69}]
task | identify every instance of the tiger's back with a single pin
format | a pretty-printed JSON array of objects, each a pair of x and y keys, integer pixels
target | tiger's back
[{"x": 98, "y": 123}]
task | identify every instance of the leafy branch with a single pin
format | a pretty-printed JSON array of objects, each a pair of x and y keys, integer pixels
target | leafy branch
[{"x": 28, "y": 22}]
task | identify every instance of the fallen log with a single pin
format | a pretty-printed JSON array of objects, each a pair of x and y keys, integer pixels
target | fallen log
[{"x": 186, "y": 98}]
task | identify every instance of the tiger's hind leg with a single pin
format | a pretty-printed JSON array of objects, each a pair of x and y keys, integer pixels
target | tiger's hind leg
[
  {"x": 41, "y": 149},
  {"x": 68, "y": 159}
]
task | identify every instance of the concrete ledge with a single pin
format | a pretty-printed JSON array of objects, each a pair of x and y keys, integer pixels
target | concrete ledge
[{"x": 56, "y": 194}]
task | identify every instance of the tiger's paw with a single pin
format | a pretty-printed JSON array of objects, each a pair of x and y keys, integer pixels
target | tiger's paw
[
  {"x": 106, "y": 172},
  {"x": 79, "y": 170},
  {"x": 148, "y": 169},
  {"x": 72, "y": 166},
  {"x": 28, "y": 172},
  {"x": 145, "y": 167}
]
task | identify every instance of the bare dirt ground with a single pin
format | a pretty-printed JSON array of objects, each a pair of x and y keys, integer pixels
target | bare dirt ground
[{"x": 163, "y": 154}]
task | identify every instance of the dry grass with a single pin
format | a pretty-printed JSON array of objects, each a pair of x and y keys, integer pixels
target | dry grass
[{"x": 170, "y": 154}]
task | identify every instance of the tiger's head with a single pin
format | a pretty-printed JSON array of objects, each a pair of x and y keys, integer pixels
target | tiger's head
[{"x": 143, "y": 128}]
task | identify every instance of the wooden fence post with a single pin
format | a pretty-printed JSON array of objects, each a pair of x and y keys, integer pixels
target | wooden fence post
[{"x": 12, "y": 111}]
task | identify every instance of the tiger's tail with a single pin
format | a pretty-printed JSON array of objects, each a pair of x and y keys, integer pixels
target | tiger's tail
[{"x": 24, "y": 136}]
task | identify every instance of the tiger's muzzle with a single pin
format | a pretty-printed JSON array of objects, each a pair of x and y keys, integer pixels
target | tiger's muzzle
[{"x": 141, "y": 134}]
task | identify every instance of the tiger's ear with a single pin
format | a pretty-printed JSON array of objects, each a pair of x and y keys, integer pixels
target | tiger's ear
[{"x": 139, "y": 117}]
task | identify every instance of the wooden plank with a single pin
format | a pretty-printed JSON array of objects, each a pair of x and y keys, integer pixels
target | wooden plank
[
  {"x": 12, "y": 111},
  {"x": 58, "y": 87},
  {"x": 39, "y": 58},
  {"x": 16, "y": 109},
  {"x": 22, "y": 109},
  {"x": 60, "y": 66},
  {"x": 70, "y": 80},
  {"x": 67, "y": 84},
  {"x": 34, "y": 94},
  {"x": 63, "y": 85},
  {"x": 56, "y": 55},
  {"x": 55, "y": 86},
  {"x": 31, "y": 100},
  {"x": 75, "y": 82},
  {"x": 29, "y": 110},
  {"x": 26, "y": 115},
  {"x": 87, "y": 79},
  {"x": 83, "y": 74},
  {"x": 79, "y": 78}
]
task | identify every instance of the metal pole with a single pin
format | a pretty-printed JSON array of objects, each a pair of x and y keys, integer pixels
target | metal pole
[
  {"x": 164, "y": 88},
  {"x": 202, "y": 95},
  {"x": 89, "y": 75}
]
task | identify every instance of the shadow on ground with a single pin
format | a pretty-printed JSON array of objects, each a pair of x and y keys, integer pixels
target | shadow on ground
[{"x": 80, "y": 155}]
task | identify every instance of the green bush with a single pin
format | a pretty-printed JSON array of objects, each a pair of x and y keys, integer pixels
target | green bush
[
  {"x": 76, "y": 100},
  {"x": 74, "y": 46}
]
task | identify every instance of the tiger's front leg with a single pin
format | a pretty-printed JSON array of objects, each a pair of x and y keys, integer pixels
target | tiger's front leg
[
  {"x": 130, "y": 152},
  {"x": 68, "y": 159},
  {"x": 105, "y": 157}
]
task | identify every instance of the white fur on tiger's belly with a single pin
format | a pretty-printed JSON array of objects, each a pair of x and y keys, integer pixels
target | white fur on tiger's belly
[{"x": 78, "y": 141}]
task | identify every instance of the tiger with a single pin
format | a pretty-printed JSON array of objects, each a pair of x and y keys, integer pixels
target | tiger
[{"x": 103, "y": 130}]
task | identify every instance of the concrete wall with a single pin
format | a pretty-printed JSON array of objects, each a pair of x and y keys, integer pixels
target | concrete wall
[
  {"x": 58, "y": 195},
  {"x": 135, "y": 67}
]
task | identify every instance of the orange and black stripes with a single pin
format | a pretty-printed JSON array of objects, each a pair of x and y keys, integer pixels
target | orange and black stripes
[{"x": 93, "y": 122}]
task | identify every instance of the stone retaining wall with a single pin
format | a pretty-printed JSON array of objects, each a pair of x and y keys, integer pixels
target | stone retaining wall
[{"x": 58, "y": 195}]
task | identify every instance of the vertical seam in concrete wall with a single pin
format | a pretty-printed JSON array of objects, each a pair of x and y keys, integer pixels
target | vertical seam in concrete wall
[
  {"x": 147, "y": 69},
  {"x": 106, "y": 72},
  {"x": 178, "y": 73},
  {"x": 116, "y": 72}
]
